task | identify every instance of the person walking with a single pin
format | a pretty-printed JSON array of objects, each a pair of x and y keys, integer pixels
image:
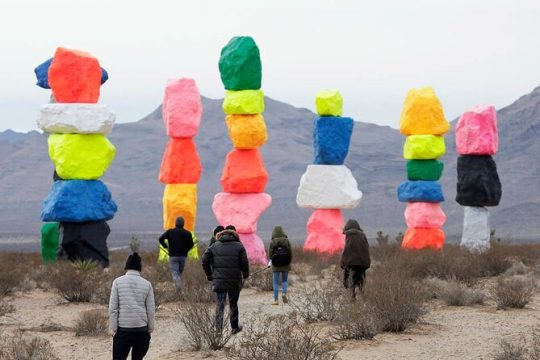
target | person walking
[
  {"x": 217, "y": 230},
  {"x": 131, "y": 312},
  {"x": 179, "y": 242},
  {"x": 355, "y": 259},
  {"x": 280, "y": 259},
  {"x": 226, "y": 265}
]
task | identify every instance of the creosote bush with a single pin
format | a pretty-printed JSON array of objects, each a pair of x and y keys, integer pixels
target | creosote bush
[
  {"x": 92, "y": 323},
  {"x": 356, "y": 321},
  {"x": 453, "y": 292},
  {"x": 261, "y": 279},
  {"x": 6, "y": 308},
  {"x": 513, "y": 291},
  {"x": 22, "y": 347},
  {"x": 320, "y": 301},
  {"x": 74, "y": 282}
]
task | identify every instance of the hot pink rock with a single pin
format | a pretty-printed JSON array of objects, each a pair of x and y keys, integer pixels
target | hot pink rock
[
  {"x": 325, "y": 232},
  {"x": 424, "y": 215},
  {"x": 255, "y": 249},
  {"x": 476, "y": 131},
  {"x": 240, "y": 210},
  {"x": 182, "y": 108}
]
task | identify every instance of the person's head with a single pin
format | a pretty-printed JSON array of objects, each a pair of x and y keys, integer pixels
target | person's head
[
  {"x": 133, "y": 262},
  {"x": 218, "y": 229},
  {"x": 351, "y": 225},
  {"x": 278, "y": 232},
  {"x": 230, "y": 227},
  {"x": 180, "y": 222}
]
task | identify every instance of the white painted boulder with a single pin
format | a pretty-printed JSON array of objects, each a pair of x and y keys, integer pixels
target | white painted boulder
[
  {"x": 476, "y": 230},
  {"x": 328, "y": 187},
  {"x": 79, "y": 118}
]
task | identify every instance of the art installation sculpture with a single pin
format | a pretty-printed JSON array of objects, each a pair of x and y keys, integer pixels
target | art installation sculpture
[
  {"x": 478, "y": 183},
  {"x": 423, "y": 122},
  {"x": 81, "y": 153},
  {"x": 328, "y": 185},
  {"x": 244, "y": 175},
  {"x": 181, "y": 167}
]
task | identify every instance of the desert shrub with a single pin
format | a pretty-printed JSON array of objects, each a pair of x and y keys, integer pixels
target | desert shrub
[
  {"x": 534, "y": 348},
  {"x": 6, "y": 308},
  {"x": 21, "y": 347},
  {"x": 453, "y": 292},
  {"x": 261, "y": 279},
  {"x": 512, "y": 351},
  {"x": 92, "y": 323},
  {"x": 518, "y": 268},
  {"x": 311, "y": 262},
  {"x": 103, "y": 282},
  {"x": 356, "y": 321},
  {"x": 74, "y": 282},
  {"x": 195, "y": 286},
  {"x": 513, "y": 291},
  {"x": 282, "y": 337},
  {"x": 11, "y": 275},
  {"x": 319, "y": 301}
]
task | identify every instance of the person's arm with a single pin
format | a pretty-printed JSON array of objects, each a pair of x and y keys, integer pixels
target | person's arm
[
  {"x": 150, "y": 309},
  {"x": 244, "y": 263},
  {"x": 113, "y": 308},
  {"x": 207, "y": 259},
  {"x": 164, "y": 237}
]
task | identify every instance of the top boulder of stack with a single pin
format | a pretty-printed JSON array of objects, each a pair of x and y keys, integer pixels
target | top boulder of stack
[
  {"x": 476, "y": 131},
  {"x": 329, "y": 103},
  {"x": 240, "y": 64},
  {"x": 422, "y": 114}
]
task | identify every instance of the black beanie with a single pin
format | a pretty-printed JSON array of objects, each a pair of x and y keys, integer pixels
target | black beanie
[
  {"x": 133, "y": 262},
  {"x": 218, "y": 229}
]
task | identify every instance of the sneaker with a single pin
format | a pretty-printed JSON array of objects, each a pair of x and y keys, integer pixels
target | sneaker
[
  {"x": 237, "y": 330},
  {"x": 275, "y": 302},
  {"x": 285, "y": 298}
]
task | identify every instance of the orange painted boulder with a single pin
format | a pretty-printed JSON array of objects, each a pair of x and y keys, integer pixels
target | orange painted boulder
[
  {"x": 180, "y": 163},
  {"x": 421, "y": 238},
  {"x": 244, "y": 172},
  {"x": 422, "y": 114},
  {"x": 74, "y": 76},
  {"x": 180, "y": 200},
  {"x": 246, "y": 131},
  {"x": 325, "y": 232}
]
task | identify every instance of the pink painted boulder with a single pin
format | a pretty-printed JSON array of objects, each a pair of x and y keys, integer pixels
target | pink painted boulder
[
  {"x": 476, "y": 131},
  {"x": 182, "y": 108},
  {"x": 424, "y": 215},
  {"x": 240, "y": 210},
  {"x": 255, "y": 248},
  {"x": 325, "y": 232}
]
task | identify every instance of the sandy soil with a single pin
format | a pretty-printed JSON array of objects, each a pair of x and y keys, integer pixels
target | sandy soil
[{"x": 445, "y": 333}]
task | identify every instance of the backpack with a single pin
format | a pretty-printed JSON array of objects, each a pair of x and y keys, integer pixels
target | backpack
[{"x": 281, "y": 255}]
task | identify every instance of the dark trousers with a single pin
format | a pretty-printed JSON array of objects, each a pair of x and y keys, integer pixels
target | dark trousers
[
  {"x": 136, "y": 341},
  {"x": 353, "y": 277},
  {"x": 221, "y": 297}
]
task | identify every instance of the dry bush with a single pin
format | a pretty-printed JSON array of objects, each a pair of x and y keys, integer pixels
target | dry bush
[
  {"x": 513, "y": 291},
  {"x": 534, "y": 348},
  {"x": 518, "y": 268},
  {"x": 453, "y": 292},
  {"x": 6, "y": 308},
  {"x": 74, "y": 282},
  {"x": 21, "y": 347},
  {"x": 512, "y": 351},
  {"x": 11, "y": 273},
  {"x": 260, "y": 279},
  {"x": 312, "y": 263},
  {"x": 92, "y": 323},
  {"x": 195, "y": 286},
  {"x": 103, "y": 282},
  {"x": 356, "y": 321},
  {"x": 282, "y": 337},
  {"x": 320, "y": 301}
]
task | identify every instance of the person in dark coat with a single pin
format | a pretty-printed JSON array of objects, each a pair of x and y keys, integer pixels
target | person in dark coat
[
  {"x": 355, "y": 259},
  {"x": 179, "y": 242},
  {"x": 217, "y": 230},
  {"x": 280, "y": 243},
  {"x": 226, "y": 265}
]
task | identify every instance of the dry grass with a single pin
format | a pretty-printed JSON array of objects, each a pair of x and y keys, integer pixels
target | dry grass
[
  {"x": 356, "y": 321},
  {"x": 513, "y": 291},
  {"x": 260, "y": 279},
  {"x": 320, "y": 301},
  {"x": 74, "y": 282},
  {"x": 21, "y": 347},
  {"x": 6, "y": 308},
  {"x": 92, "y": 323},
  {"x": 454, "y": 293}
]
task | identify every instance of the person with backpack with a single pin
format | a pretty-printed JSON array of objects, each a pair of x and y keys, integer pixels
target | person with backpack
[
  {"x": 226, "y": 265},
  {"x": 179, "y": 242},
  {"x": 355, "y": 259},
  {"x": 280, "y": 259}
]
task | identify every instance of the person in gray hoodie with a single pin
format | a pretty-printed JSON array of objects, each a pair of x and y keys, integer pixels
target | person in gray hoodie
[{"x": 131, "y": 312}]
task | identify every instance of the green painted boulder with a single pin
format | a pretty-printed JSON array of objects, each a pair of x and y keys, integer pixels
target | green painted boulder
[
  {"x": 243, "y": 102},
  {"x": 49, "y": 241},
  {"x": 430, "y": 170},
  {"x": 81, "y": 156},
  {"x": 240, "y": 64}
]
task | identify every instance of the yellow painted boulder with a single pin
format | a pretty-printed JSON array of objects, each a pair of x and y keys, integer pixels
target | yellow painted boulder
[
  {"x": 422, "y": 114},
  {"x": 247, "y": 131},
  {"x": 81, "y": 156},
  {"x": 423, "y": 147},
  {"x": 180, "y": 200},
  {"x": 329, "y": 103},
  {"x": 243, "y": 102}
]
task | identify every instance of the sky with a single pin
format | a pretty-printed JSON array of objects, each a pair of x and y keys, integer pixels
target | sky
[{"x": 471, "y": 52}]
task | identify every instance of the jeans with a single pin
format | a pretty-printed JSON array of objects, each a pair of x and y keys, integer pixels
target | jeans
[
  {"x": 177, "y": 264},
  {"x": 221, "y": 296},
  {"x": 356, "y": 280},
  {"x": 137, "y": 341},
  {"x": 284, "y": 284}
]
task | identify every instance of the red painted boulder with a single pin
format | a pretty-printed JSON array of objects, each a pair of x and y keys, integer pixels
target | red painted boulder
[
  {"x": 420, "y": 238},
  {"x": 244, "y": 172},
  {"x": 424, "y": 215},
  {"x": 254, "y": 248},
  {"x": 182, "y": 108},
  {"x": 325, "y": 232},
  {"x": 240, "y": 210},
  {"x": 74, "y": 76},
  {"x": 476, "y": 131},
  {"x": 180, "y": 163}
]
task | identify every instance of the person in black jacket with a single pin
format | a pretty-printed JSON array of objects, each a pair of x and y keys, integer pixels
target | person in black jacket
[
  {"x": 355, "y": 259},
  {"x": 179, "y": 242},
  {"x": 226, "y": 265},
  {"x": 217, "y": 230}
]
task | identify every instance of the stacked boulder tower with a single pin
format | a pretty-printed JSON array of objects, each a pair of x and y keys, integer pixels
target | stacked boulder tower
[
  {"x": 81, "y": 153},
  {"x": 181, "y": 166},
  {"x": 328, "y": 185},
  {"x": 244, "y": 176},
  {"x": 478, "y": 184},
  {"x": 424, "y": 124}
]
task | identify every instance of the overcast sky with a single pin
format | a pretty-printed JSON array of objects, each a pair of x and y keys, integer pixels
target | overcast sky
[{"x": 372, "y": 51}]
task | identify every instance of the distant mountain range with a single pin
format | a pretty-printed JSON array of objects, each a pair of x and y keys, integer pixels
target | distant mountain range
[{"x": 375, "y": 158}]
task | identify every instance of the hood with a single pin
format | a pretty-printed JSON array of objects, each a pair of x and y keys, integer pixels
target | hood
[
  {"x": 180, "y": 222},
  {"x": 227, "y": 235},
  {"x": 278, "y": 232},
  {"x": 351, "y": 225}
]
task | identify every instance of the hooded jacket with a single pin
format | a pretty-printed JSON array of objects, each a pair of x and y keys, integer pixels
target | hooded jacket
[
  {"x": 356, "y": 251},
  {"x": 226, "y": 262},
  {"x": 180, "y": 240},
  {"x": 279, "y": 238}
]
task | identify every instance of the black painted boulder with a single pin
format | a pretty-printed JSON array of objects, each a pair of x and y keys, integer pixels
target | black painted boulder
[
  {"x": 478, "y": 182},
  {"x": 85, "y": 241}
]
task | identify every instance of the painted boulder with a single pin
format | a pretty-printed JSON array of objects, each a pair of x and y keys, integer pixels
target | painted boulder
[
  {"x": 243, "y": 102},
  {"x": 476, "y": 132},
  {"x": 420, "y": 238},
  {"x": 329, "y": 103},
  {"x": 247, "y": 131},
  {"x": 424, "y": 215},
  {"x": 240, "y": 210},
  {"x": 86, "y": 241},
  {"x": 49, "y": 241},
  {"x": 422, "y": 114},
  {"x": 423, "y": 147},
  {"x": 42, "y": 74},
  {"x": 244, "y": 172},
  {"x": 476, "y": 231},
  {"x": 478, "y": 182},
  {"x": 182, "y": 108},
  {"x": 180, "y": 163},
  {"x": 331, "y": 139},
  {"x": 254, "y": 248},
  {"x": 240, "y": 64},
  {"x": 429, "y": 170},
  {"x": 180, "y": 200},
  {"x": 64, "y": 118},
  {"x": 325, "y": 232},
  {"x": 422, "y": 191}
]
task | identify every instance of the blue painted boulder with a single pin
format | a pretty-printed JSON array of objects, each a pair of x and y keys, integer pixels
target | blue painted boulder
[
  {"x": 424, "y": 191},
  {"x": 77, "y": 201},
  {"x": 331, "y": 139},
  {"x": 42, "y": 74}
]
